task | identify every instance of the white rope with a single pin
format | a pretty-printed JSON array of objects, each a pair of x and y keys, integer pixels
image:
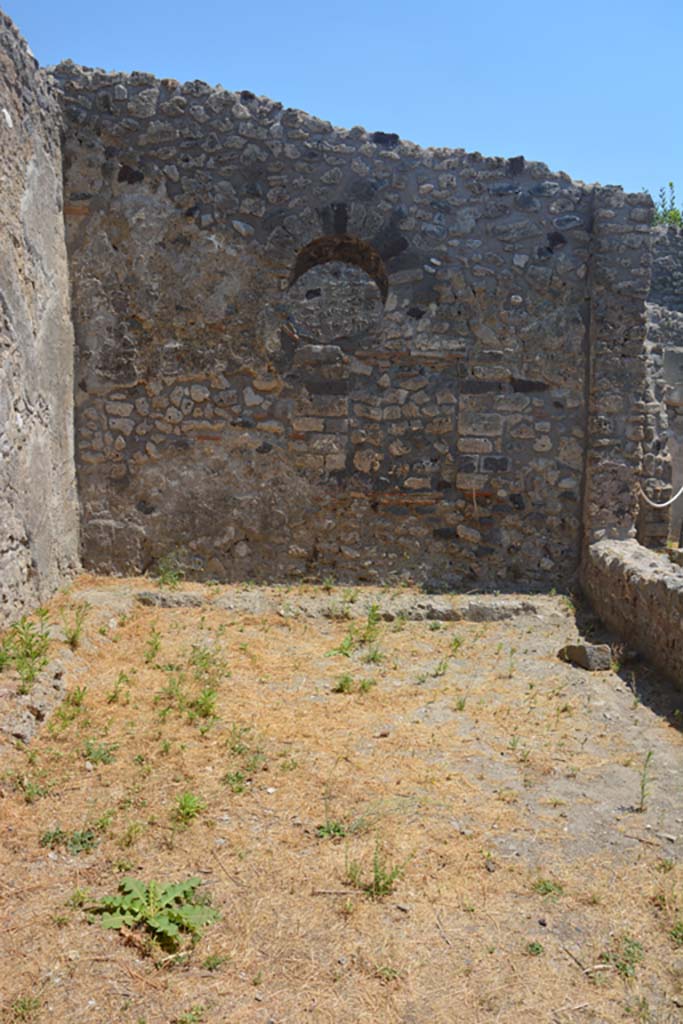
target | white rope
[{"x": 664, "y": 504}]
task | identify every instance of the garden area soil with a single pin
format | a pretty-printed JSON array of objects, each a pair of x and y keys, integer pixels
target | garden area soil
[{"x": 403, "y": 808}]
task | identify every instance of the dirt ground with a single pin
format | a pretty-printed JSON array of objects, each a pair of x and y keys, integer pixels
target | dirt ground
[{"x": 397, "y": 818}]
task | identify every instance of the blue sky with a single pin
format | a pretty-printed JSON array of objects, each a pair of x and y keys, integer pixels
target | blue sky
[{"x": 591, "y": 88}]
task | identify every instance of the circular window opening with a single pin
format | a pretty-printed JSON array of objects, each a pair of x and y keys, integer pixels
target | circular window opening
[
  {"x": 334, "y": 302},
  {"x": 337, "y": 292}
]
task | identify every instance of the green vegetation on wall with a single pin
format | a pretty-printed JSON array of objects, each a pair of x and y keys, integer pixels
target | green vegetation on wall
[{"x": 666, "y": 209}]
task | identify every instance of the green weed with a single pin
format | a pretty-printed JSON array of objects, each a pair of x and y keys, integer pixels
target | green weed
[
  {"x": 132, "y": 833},
  {"x": 188, "y": 807},
  {"x": 238, "y": 738},
  {"x": 666, "y": 207},
  {"x": 195, "y": 1015},
  {"x": 370, "y": 631},
  {"x": 167, "y": 913},
  {"x": 207, "y": 663},
  {"x": 78, "y": 898},
  {"x": 74, "y": 842},
  {"x": 203, "y": 706},
  {"x": 386, "y": 973},
  {"x": 625, "y": 955},
  {"x": 71, "y": 707},
  {"x": 374, "y": 656},
  {"x": 31, "y": 788},
  {"x": 331, "y": 829},
  {"x": 343, "y": 685},
  {"x": 117, "y": 694},
  {"x": 237, "y": 781},
  {"x": 25, "y": 1008},
  {"x": 76, "y": 697},
  {"x": 213, "y": 962},
  {"x": 102, "y": 823},
  {"x": 243, "y": 745},
  {"x": 346, "y": 646},
  {"x": 99, "y": 753},
  {"x": 73, "y": 627},
  {"x": 25, "y": 648},
  {"x": 254, "y": 762},
  {"x": 639, "y": 1009},
  {"x": 456, "y": 644},
  {"x": 383, "y": 877},
  {"x": 152, "y": 646},
  {"x": 169, "y": 572},
  {"x": 172, "y": 695},
  {"x": 544, "y": 887}
]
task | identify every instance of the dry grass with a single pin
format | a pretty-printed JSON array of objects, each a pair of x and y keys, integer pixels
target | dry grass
[{"x": 479, "y": 773}]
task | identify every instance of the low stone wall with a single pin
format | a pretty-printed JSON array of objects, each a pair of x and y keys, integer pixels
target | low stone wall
[
  {"x": 639, "y": 594},
  {"x": 38, "y": 506}
]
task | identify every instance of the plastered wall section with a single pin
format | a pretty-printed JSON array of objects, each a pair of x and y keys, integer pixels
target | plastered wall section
[
  {"x": 38, "y": 508},
  {"x": 444, "y": 441}
]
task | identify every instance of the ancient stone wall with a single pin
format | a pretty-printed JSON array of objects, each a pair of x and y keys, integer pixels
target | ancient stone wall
[
  {"x": 619, "y": 279},
  {"x": 667, "y": 268},
  {"x": 663, "y": 457},
  {"x": 639, "y": 594},
  {"x": 310, "y": 351},
  {"x": 38, "y": 509},
  {"x": 666, "y": 319},
  {"x": 302, "y": 351}
]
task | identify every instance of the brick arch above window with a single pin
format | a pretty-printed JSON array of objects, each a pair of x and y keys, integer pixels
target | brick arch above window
[{"x": 342, "y": 249}]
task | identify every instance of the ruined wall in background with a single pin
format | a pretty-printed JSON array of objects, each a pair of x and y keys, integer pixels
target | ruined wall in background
[
  {"x": 38, "y": 509},
  {"x": 663, "y": 463},
  {"x": 635, "y": 591},
  {"x": 667, "y": 268},
  {"x": 306, "y": 350}
]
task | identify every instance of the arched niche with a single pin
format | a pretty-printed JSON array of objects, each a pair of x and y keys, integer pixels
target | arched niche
[{"x": 342, "y": 249}]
